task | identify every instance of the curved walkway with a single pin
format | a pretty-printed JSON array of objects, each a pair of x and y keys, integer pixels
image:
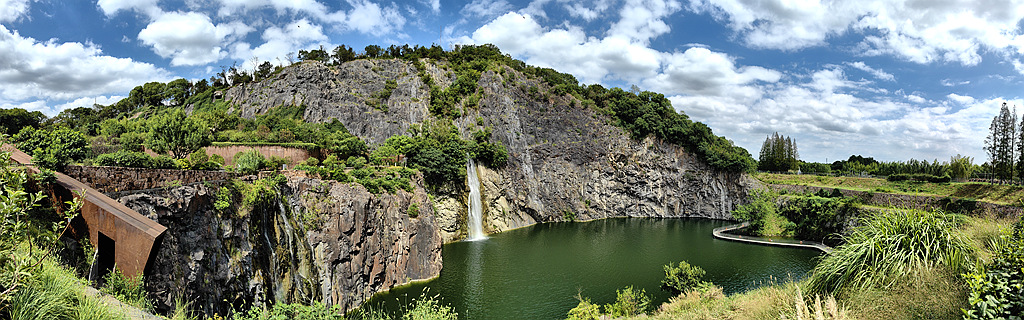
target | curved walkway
[{"x": 721, "y": 233}]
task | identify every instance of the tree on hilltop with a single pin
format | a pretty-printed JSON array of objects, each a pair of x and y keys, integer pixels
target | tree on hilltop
[{"x": 778, "y": 153}]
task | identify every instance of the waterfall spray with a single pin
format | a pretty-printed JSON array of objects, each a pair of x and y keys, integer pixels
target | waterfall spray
[{"x": 476, "y": 226}]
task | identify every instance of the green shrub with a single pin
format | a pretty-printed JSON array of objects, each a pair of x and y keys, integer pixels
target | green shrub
[
  {"x": 430, "y": 308},
  {"x": 414, "y": 210},
  {"x": 125, "y": 158},
  {"x": 52, "y": 149},
  {"x": 629, "y": 302},
  {"x": 586, "y": 310},
  {"x": 761, "y": 206},
  {"x": 891, "y": 245},
  {"x": 130, "y": 290},
  {"x": 356, "y": 162},
  {"x": 998, "y": 291},
  {"x": 683, "y": 277},
  {"x": 818, "y": 219},
  {"x": 249, "y": 162}
]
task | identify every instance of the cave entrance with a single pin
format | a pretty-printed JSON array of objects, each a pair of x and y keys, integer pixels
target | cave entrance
[{"x": 104, "y": 258}]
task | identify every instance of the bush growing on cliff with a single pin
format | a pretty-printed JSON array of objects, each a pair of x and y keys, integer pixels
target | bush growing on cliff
[
  {"x": 250, "y": 162},
  {"x": 683, "y": 277}
]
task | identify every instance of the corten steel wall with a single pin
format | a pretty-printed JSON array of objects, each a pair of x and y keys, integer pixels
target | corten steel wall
[
  {"x": 294, "y": 155},
  {"x": 133, "y": 234}
]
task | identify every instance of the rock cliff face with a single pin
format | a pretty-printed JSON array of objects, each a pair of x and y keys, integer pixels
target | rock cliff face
[
  {"x": 315, "y": 241},
  {"x": 566, "y": 161}
]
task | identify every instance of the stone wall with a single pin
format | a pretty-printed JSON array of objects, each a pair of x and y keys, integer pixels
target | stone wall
[
  {"x": 905, "y": 200},
  {"x": 115, "y": 179}
]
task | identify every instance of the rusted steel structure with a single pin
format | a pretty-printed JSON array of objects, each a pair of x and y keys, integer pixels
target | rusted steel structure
[{"x": 124, "y": 238}]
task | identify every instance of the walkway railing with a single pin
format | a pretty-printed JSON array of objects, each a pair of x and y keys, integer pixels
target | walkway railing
[{"x": 721, "y": 233}]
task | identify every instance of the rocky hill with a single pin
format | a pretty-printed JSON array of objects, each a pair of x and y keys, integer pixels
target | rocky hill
[{"x": 566, "y": 161}]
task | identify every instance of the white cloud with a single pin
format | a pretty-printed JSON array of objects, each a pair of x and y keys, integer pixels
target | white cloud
[
  {"x": 148, "y": 7},
  {"x": 699, "y": 71},
  {"x": 916, "y": 99},
  {"x": 282, "y": 7},
  {"x": 33, "y": 70},
  {"x": 918, "y": 31},
  {"x": 877, "y": 73},
  {"x": 370, "y": 18},
  {"x": 11, "y": 10},
  {"x": 960, "y": 99},
  {"x": 485, "y": 9},
  {"x": 642, "y": 20},
  {"x": 951, "y": 83},
  {"x": 190, "y": 38},
  {"x": 280, "y": 41},
  {"x": 587, "y": 11}
]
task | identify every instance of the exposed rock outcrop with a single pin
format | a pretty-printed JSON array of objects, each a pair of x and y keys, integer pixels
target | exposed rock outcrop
[
  {"x": 315, "y": 241},
  {"x": 565, "y": 160}
]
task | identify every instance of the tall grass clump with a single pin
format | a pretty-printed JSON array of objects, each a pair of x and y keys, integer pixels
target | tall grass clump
[{"x": 892, "y": 244}]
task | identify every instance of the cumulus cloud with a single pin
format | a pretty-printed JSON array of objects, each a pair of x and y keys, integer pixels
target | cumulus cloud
[
  {"x": 918, "y": 31},
  {"x": 51, "y": 70},
  {"x": 147, "y": 7},
  {"x": 11, "y": 10},
  {"x": 281, "y": 41},
  {"x": 190, "y": 38},
  {"x": 370, "y": 18}
]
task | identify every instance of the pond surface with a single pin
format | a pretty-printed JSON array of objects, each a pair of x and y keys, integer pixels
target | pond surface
[{"x": 536, "y": 272}]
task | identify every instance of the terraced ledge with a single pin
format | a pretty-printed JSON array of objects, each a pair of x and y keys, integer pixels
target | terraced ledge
[{"x": 721, "y": 233}]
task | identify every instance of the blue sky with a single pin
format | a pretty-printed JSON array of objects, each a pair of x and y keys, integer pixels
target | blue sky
[{"x": 890, "y": 79}]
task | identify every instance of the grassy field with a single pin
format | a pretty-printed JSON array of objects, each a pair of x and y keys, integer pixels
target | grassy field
[{"x": 1001, "y": 194}]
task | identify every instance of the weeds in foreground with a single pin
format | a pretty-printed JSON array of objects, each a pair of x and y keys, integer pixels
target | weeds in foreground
[{"x": 890, "y": 245}]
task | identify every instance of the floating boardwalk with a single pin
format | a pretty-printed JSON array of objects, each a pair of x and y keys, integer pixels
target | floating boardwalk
[{"x": 721, "y": 233}]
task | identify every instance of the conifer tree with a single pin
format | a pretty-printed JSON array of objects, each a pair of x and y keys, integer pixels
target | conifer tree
[
  {"x": 1001, "y": 143},
  {"x": 778, "y": 153}
]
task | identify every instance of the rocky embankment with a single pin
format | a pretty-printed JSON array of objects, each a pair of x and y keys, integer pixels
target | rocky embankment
[
  {"x": 566, "y": 161},
  {"x": 313, "y": 241}
]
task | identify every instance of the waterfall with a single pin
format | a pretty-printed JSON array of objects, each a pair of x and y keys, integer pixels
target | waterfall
[{"x": 476, "y": 226}]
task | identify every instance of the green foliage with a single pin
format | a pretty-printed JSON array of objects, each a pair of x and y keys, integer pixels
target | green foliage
[
  {"x": 250, "y": 162},
  {"x": 413, "y": 210},
  {"x": 586, "y": 310},
  {"x": 430, "y": 308},
  {"x": 1000, "y": 143},
  {"x": 177, "y": 134},
  {"x": 629, "y": 302},
  {"x": 124, "y": 158},
  {"x": 778, "y": 153},
  {"x": 568, "y": 215},
  {"x": 997, "y": 291},
  {"x": 224, "y": 200},
  {"x": 14, "y": 119},
  {"x": 683, "y": 277},
  {"x": 130, "y": 290},
  {"x": 888, "y": 246},
  {"x": 492, "y": 154},
  {"x": 961, "y": 167},
  {"x": 446, "y": 103},
  {"x": 650, "y": 114},
  {"x": 281, "y": 311},
  {"x": 52, "y": 149},
  {"x": 761, "y": 206},
  {"x": 816, "y": 218}
]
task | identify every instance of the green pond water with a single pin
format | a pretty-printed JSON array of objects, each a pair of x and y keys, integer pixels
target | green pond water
[{"x": 536, "y": 272}]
